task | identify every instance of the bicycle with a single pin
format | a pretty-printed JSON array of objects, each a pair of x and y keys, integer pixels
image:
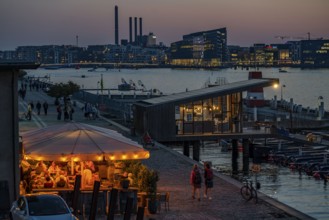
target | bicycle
[{"x": 248, "y": 192}]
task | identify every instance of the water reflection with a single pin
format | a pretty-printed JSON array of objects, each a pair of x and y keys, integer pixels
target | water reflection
[{"x": 293, "y": 188}]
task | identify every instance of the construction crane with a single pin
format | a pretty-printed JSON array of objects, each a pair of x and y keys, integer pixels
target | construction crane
[{"x": 282, "y": 37}]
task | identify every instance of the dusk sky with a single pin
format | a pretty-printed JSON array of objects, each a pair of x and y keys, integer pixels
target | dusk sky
[{"x": 45, "y": 22}]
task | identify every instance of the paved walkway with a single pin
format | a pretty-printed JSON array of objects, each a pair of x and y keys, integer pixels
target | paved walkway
[{"x": 174, "y": 170}]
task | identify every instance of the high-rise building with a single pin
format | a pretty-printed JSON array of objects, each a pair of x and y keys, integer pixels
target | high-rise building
[{"x": 205, "y": 48}]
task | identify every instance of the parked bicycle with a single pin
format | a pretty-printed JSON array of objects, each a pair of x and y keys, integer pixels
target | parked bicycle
[{"x": 248, "y": 192}]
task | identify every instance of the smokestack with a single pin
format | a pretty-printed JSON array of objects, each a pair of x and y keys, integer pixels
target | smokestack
[
  {"x": 130, "y": 30},
  {"x": 77, "y": 40},
  {"x": 136, "y": 40},
  {"x": 140, "y": 30},
  {"x": 116, "y": 19}
]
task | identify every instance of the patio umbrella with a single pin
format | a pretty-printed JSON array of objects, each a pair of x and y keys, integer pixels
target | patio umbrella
[{"x": 79, "y": 142}]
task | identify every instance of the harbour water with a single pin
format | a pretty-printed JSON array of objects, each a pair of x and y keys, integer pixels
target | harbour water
[{"x": 305, "y": 86}]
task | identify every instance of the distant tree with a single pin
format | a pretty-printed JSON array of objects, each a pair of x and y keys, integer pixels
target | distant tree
[{"x": 63, "y": 90}]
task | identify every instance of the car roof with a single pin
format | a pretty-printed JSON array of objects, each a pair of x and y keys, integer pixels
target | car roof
[{"x": 42, "y": 195}]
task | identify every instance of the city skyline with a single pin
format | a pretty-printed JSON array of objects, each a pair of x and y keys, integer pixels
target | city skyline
[{"x": 38, "y": 22}]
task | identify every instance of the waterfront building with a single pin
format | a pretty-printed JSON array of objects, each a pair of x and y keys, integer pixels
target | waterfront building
[
  {"x": 238, "y": 56},
  {"x": 315, "y": 53},
  {"x": 295, "y": 52},
  {"x": 48, "y": 54},
  {"x": 201, "y": 49},
  {"x": 195, "y": 115},
  {"x": 135, "y": 54}
]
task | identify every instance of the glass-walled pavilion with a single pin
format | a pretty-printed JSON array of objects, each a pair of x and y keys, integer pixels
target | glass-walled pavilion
[{"x": 221, "y": 114}]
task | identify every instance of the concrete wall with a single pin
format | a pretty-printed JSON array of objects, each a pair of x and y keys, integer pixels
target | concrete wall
[{"x": 9, "y": 162}]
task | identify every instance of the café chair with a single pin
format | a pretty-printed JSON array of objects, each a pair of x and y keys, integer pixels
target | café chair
[{"x": 163, "y": 198}]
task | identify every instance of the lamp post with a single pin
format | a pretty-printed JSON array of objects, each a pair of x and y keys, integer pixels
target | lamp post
[
  {"x": 97, "y": 87},
  {"x": 283, "y": 86}
]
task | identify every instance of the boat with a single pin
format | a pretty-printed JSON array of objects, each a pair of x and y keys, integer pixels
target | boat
[{"x": 282, "y": 70}]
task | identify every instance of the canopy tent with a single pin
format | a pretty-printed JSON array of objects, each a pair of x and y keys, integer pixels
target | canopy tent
[{"x": 79, "y": 142}]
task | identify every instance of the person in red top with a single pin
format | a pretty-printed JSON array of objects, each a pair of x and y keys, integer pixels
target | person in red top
[
  {"x": 196, "y": 180},
  {"x": 208, "y": 178}
]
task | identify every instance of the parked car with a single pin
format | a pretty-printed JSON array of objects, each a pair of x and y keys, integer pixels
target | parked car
[{"x": 41, "y": 206}]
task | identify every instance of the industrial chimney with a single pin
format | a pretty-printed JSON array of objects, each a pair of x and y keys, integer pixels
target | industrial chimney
[
  {"x": 130, "y": 30},
  {"x": 136, "y": 40},
  {"x": 116, "y": 20},
  {"x": 140, "y": 31}
]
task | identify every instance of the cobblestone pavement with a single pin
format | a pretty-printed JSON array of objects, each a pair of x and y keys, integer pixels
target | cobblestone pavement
[{"x": 174, "y": 171}]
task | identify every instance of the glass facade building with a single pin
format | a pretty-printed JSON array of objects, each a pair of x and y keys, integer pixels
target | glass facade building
[
  {"x": 206, "y": 48},
  {"x": 315, "y": 53},
  {"x": 213, "y": 115}
]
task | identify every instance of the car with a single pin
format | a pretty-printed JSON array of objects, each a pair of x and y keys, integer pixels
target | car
[{"x": 41, "y": 206}]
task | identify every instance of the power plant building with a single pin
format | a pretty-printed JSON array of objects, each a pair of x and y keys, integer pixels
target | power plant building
[{"x": 204, "y": 49}]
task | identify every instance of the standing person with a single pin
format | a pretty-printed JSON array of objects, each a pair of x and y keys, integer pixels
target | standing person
[
  {"x": 45, "y": 107},
  {"x": 38, "y": 107},
  {"x": 196, "y": 180},
  {"x": 32, "y": 105},
  {"x": 29, "y": 112},
  {"x": 208, "y": 178},
  {"x": 59, "y": 112}
]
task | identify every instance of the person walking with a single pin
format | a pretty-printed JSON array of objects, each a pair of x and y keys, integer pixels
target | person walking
[
  {"x": 208, "y": 178},
  {"x": 38, "y": 107},
  {"x": 29, "y": 112},
  {"x": 196, "y": 180},
  {"x": 45, "y": 107},
  {"x": 59, "y": 112}
]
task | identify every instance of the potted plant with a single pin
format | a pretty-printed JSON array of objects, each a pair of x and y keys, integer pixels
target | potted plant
[
  {"x": 147, "y": 182},
  {"x": 151, "y": 189}
]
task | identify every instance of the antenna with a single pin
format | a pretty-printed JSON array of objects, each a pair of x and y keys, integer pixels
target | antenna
[
  {"x": 309, "y": 35},
  {"x": 77, "y": 40}
]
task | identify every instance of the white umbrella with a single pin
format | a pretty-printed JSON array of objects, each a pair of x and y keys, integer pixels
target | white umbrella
[{"x": 79, "y": 142}]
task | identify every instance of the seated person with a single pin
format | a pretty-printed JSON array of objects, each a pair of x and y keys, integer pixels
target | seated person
[
  {"x": 53, "y": 169},
  {"x": 87, "y": 178},
  {"x": 130, "y": 178},
  {"x": 61, "y": 181},
  {"x": 40, "y": 167},
  {"x": 147, "y": 139},
  {"x": 48, "y": 183}
]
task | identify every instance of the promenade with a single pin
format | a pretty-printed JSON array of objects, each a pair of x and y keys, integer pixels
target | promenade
[{"x": 174, "y": 172}]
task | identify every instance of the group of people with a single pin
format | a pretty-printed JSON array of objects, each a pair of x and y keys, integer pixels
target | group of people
[
  {"x": 90, "y": 111},
  {"x": 30, "y": 108},
  {"x": 41, "y": 175},
  {"x": 196, "y": 181}
]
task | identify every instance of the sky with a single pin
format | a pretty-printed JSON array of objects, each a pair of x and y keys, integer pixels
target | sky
[{"x": 58, "y": 22}]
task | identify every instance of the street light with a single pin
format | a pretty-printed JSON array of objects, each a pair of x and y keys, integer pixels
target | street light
[{"x": 283, "y": 86}]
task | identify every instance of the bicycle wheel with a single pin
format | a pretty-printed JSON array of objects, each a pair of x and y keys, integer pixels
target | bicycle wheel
[
  {"x": 254, "y": 194},
  {"x": 246, "y": 193}
]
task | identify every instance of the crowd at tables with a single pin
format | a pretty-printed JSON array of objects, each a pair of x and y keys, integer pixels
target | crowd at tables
[{"x": 54, "y": 174}]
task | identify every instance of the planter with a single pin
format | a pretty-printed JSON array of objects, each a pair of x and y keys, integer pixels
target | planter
[{"x": 152, "y": 205}]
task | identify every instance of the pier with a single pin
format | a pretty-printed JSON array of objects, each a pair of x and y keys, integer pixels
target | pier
[{"x": 174, "y": 170}]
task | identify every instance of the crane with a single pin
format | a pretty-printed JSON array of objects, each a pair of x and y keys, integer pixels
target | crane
[{"x": 282, "y": 37}]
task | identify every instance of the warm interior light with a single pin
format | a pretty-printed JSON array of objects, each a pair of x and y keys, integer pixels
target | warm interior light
[
  {"x": 112, "y": 157},
  {"x": 276, "y": 85},
  {"x": 135, "y": 156},
  {"x": 124, "y": 157},
  {"x": 75, "y": 159},
  {"x": 63, "y": 159}
]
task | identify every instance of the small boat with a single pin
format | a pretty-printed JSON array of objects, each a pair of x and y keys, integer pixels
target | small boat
[
  {"x": 83, "y": 76},
  {"x": 282, "y": 71}
]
